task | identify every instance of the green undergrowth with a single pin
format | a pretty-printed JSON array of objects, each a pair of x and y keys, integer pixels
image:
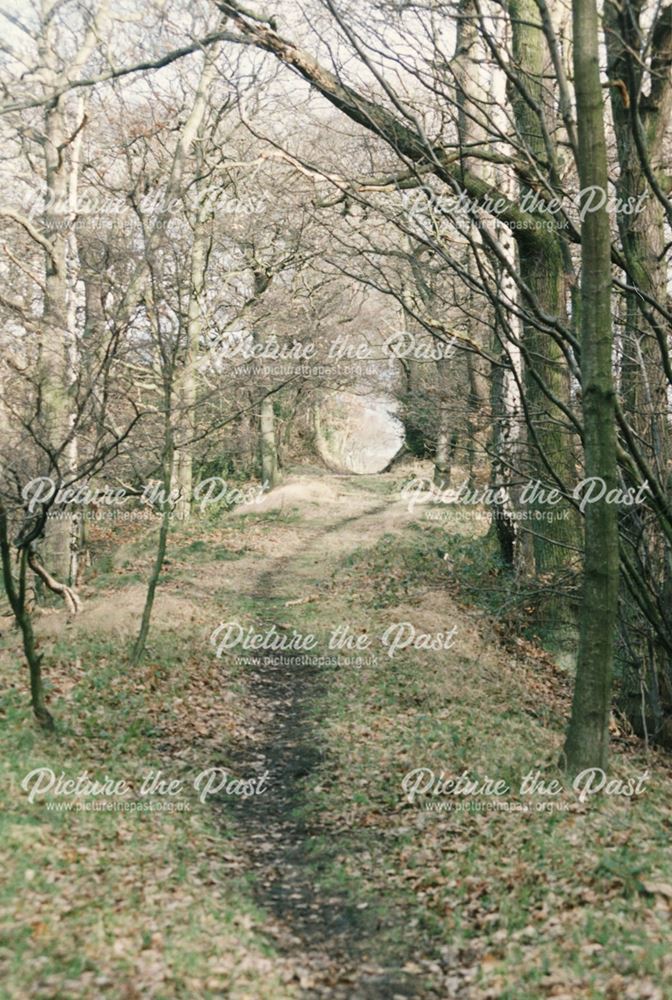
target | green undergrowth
[
  {"x": 545, "y": 896},
  {"x": 132, "y": 895},
  {"x": 469, "y": 567},
  {"x": 520, "y": 903}
]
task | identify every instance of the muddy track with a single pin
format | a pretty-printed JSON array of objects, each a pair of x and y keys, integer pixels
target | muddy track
[{"x": 321, "y": 929}]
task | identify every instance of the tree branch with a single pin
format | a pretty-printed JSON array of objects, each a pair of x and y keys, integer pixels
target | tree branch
[{"x": 406, "y": 142}]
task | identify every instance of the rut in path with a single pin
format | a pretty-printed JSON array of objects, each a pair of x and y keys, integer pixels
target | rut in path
[
  {"x": 324, "y": 931},
  {"x": 321, "y": 930}
]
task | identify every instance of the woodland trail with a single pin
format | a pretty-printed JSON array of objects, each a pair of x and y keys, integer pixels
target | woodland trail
[
  {"x": 327, "y": 933},
  {"x": 333, "y": 884}
]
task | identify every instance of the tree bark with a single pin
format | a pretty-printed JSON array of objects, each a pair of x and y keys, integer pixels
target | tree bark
[
  {"x": 54, "y": 349},
  {"x": 185, "y": 383},
  {"x": 166, "y": 514},
  {"x": 17, "y": 599},
  {"x": 193, "y": 134},
  {"x": 542, "y": 269},
  {"x": 644, "y": 382},
  {"x": 443, "y": 458},
  {"x": 588, "y": 734},
  {"x": 268, "y": 444}
]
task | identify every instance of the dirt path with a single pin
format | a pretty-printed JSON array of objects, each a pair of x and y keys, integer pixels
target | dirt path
[{"x": 323, "y": 930}]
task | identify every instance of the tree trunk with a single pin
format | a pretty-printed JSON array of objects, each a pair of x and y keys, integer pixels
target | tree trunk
[
  {"x": 267, "y": 443},
  {"x": 54, "y": 349},
  {"x": 542, "y": 269},
  {"x": 17, "y": 600},
  {"x": 644, "y": 383},
  {"x": 588, "y": 734},
  {"x": 185, "y": 383},
  {"x": 503, "y": 523},
  {"x": 443, "y": 457},
  {"x": 167, "y": 475}
]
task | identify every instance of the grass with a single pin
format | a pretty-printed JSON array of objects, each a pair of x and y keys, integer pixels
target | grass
[
  {"x": 535, "y": 903},
  {"x": 510, "y": 904},
  {"x": 122, "y": 903}
]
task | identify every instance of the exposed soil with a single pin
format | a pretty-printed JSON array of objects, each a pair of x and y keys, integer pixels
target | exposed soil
[{"x": 325, "y": 930}]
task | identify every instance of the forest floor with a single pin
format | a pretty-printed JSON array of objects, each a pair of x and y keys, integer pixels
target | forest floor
[{"x": 329, "y": 882}]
